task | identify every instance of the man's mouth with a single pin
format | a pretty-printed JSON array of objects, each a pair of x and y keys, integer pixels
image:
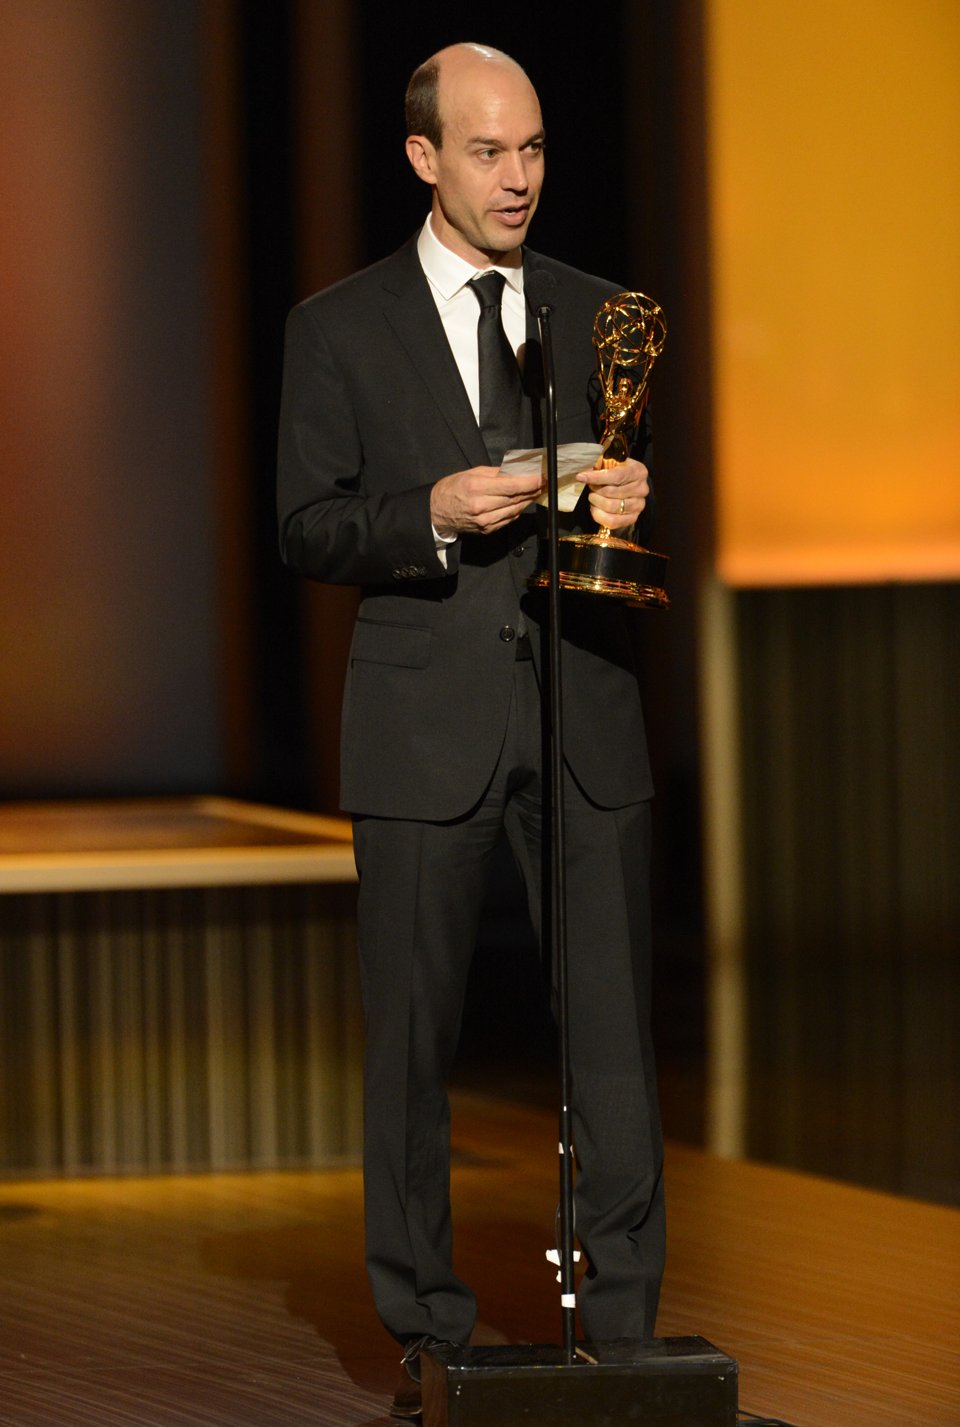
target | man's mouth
[{"x": 514, "y": 214}]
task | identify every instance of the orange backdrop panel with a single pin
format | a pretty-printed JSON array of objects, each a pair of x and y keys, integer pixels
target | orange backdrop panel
[{"x": 834, "y": 143}]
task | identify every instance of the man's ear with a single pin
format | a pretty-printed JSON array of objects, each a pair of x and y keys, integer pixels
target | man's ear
[{"x": 422, "y": 156}]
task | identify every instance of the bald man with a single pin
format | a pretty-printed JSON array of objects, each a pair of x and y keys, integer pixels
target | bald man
[{"x": 392, "y": 432}]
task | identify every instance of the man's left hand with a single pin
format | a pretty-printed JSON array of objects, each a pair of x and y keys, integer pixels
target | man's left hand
[{"x": 618, "y": 492}]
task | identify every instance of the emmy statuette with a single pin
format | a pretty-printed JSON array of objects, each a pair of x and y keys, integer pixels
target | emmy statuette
[{"x": 628, "y": 333}]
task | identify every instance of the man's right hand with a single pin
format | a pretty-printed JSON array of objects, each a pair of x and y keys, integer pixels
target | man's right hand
[{"x": 481, "y": 500}]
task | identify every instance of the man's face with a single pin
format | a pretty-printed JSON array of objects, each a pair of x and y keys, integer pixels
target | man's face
[{"x": 488, "y": 173}]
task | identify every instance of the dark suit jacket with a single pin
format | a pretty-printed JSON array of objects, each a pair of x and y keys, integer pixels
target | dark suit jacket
[{"x": 374, "y": 412}]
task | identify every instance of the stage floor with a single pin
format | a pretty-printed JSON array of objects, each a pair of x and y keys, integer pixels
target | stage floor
[{"x": 240, "y": 1301}]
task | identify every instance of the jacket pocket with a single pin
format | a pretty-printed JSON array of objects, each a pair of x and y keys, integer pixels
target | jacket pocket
[{"x": 406, "y": 646}]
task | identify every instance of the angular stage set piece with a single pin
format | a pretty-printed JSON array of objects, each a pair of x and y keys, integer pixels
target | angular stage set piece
[{"x": 665, "y": 1382}]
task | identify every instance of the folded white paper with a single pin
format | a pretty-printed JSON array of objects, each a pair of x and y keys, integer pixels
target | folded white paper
[{"x": 572, "y": 458}]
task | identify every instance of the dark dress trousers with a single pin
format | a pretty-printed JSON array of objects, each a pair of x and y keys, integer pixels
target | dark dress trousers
[{"x": 441, "y": 749}]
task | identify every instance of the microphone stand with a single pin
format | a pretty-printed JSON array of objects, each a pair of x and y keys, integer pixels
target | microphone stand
[{"x": 557, "y": 901}]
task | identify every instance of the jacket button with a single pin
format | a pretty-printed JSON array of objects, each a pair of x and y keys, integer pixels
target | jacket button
[
  {"x": 508, "y": 633},
  {"x": 518, "y": 550}
]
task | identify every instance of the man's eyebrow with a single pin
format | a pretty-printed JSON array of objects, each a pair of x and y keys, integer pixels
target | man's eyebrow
[{"x": 538, "y": 137}]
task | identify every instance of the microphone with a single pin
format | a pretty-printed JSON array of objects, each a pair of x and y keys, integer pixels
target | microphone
[{"x": 539, "y": 289}]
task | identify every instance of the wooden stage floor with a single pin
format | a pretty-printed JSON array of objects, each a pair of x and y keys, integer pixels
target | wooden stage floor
[{"x": 239, "y": 1300}]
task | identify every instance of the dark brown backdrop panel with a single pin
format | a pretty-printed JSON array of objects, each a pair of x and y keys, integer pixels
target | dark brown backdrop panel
[{"x": 850, "y": 702}]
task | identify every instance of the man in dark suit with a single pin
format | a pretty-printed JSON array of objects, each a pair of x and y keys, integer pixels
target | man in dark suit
[{"x": 389, "y": 478}]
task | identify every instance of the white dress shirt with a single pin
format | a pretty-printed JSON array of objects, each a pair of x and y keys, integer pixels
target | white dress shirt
[{"x": 448, "y": 276}]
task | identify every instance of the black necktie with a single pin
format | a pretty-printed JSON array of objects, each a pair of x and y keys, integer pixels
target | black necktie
[{"x": 499, "y": 373}]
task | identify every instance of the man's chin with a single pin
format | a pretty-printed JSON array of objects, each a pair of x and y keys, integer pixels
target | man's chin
[{"x": 506, "y": 237}]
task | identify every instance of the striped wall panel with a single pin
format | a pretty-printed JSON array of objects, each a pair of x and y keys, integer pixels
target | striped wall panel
[
  {"x": 849, "y": 712},
  {"x": 195, "y": 1029}
]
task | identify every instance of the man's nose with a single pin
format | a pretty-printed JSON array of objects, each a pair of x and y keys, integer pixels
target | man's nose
[{"x": 514, "y": 174}]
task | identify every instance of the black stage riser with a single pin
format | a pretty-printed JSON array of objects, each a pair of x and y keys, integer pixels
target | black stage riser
[{"x": 664, "y": 1382}]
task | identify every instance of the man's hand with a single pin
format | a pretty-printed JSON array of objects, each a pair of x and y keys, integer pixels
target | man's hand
[
  {"x": 481, "y": 500},
  {"x": 618, "y": 492}
]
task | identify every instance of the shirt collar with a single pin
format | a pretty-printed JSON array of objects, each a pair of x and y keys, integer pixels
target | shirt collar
[{"x": 448, "y": 272}]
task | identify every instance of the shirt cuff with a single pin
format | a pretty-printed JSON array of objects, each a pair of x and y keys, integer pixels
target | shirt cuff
[{"x": 441, "y": 542}]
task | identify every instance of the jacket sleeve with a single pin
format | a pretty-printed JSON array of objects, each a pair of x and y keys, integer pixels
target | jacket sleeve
[{"x": 332, "y": 528}]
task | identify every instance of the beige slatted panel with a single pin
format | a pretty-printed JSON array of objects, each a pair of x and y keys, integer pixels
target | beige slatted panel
[{"x": 179, "y": 1029}]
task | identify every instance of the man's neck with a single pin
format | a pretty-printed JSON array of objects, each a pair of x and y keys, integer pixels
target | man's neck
[{"x": 449, "y": 237}]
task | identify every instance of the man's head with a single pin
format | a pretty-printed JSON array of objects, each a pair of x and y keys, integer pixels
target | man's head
[{"x": 474, "y": 133}]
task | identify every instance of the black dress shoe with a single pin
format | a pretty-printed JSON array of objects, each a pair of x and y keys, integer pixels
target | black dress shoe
[{"x": 407, "y": 1404}]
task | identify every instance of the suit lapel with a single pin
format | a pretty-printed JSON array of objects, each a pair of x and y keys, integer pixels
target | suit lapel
[
  {"x": 410, "y": 310},
  {"x": 412, "y": 314},
  {"x": 576, "y": 381},
  {"x": 567, "y": 334}
]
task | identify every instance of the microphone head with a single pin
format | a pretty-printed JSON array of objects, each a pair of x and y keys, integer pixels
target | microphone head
[{"x": 539, "y": 289}]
